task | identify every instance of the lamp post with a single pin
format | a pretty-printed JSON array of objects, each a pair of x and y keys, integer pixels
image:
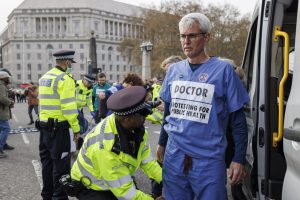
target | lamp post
[
  {"x": 93, "y": 54},
  {"x": 146, "y": 48},
  {"x": 23, "y": 48},
  {"x": 89, "y": 66}
]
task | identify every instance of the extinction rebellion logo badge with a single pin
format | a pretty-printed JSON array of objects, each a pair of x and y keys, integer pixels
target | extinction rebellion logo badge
[{"x": 203, "y": 77}]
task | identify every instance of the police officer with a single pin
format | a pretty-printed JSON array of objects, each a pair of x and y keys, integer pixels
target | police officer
[
  {"x": 58, "y": 115},
  {"x": 84, "y": 89},
  {"x": 116, "y": 149}
]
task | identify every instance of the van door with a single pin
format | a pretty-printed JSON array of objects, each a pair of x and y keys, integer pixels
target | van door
[
  {"x": 266, "y": 161},
  {"x": 291, "y": 134}
]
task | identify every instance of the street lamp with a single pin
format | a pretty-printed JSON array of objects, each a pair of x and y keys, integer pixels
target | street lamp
[
  {"x": 146, "y": 48},
  {"x": 23, "y": 48}
]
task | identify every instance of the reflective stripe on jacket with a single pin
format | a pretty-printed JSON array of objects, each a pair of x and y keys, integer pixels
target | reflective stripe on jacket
[
  {"x": 83, "y": 96},
  {"x": 101, "y": 169},
  {"x": 156, "y": 116},
  {"x": 57, "y": 98}
]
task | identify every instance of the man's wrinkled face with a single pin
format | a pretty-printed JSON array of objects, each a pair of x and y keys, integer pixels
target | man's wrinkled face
[
  {"x": 193, "y": 41},
  {"x": 102, "y": 81}
]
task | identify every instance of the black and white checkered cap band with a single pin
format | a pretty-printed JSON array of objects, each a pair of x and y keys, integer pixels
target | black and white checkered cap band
[
  {"x": 131, "y": 111},
  {"x": 67, "y": 57}
]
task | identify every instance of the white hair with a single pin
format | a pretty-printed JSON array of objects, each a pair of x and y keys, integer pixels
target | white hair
[{"x": 188, "y": 20}]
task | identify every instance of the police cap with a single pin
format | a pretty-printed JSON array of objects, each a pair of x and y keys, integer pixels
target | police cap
[
  {"x": 65, "y": 55},
  {"x": 90, "y": 78},
  {"x": 129, "y": 101}
]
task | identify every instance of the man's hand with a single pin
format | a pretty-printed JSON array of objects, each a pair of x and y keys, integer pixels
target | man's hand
[
  {"x": 160, "y": 153},
  {"x": 76, "y": 137},
  {"x": 237, "y": 172},
  {"x": 161, "y": 107}
]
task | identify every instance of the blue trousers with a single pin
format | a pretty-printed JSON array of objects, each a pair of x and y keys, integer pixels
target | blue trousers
[
  {"x": 205, "y": 181},
  {"x": 4, "y": 131}
]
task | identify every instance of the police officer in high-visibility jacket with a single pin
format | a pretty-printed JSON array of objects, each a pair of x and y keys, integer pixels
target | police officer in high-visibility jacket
[
  {"x": 58, "y": 115},
  {"x": 116, "y": 148},
  {"x": 84, "y": 89}
]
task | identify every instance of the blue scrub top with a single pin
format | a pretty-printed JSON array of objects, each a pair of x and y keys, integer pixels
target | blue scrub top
[{"x": 200, "y": 103}]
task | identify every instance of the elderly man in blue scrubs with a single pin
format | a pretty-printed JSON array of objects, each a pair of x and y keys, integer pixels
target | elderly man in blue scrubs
[{"x": 200, "y": 93}]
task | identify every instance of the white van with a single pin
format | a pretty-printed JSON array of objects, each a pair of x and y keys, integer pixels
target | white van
[{"x": 273, "y": 114}]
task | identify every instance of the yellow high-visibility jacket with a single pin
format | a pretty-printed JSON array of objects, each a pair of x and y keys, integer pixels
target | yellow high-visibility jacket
[
  {"x": 84, "y": 96},
  {"x": 156, "y": 117},
  {"x": 99, "y": 168},
  {"x": 155, "y": 92},
  {"x": 57, "y": 98}
]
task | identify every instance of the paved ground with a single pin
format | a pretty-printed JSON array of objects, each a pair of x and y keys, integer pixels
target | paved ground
[{"x": 21, "y": 172}]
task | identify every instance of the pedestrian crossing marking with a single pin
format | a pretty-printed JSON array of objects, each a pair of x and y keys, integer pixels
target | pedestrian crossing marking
[{"x": 23, "y": 130}]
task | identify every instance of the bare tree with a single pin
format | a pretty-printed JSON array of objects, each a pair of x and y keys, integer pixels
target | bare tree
[{"x": 228, "y": 35}]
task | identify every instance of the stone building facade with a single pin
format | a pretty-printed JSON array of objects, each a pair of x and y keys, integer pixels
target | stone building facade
[{"x": 38, "y": 28}]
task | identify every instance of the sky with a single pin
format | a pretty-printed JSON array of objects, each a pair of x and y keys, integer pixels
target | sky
[{"x": 7, "y": 6}]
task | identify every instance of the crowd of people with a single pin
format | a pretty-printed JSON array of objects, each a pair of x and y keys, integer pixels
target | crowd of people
[{"x": 199, "y": 105}]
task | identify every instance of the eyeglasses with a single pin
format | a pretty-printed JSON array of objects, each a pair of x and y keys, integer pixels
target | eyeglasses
[{"x": 192, "y": 36}]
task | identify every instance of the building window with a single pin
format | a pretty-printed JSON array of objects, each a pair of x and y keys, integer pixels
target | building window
[
  {"x": 118, "y": 68},
  {"x": 81, "y": 56},
  {"x": 131, "y": 68},
  {"x": 39, "y": 46},
  {"x": 96, "y": 26},
  {"x": 124, "y": 68},
  {"x": 18, "y": 46},
  {"x": 118, "y": 57},
  {"x": 103, "y": 47},
  {"x": 28, "y": 56},
  {"x": 81, "y": 67},
  {"x": 60, "y": 46},
  {"x": 50, "y": 66},
  {"x": 29, "y": 66},
  {"x": 39, "y": 76},
  {"x": 18, "y": 66},
  {"x": 81, "y": 46},
  {"x": 103, "y": 67},
  {"x": 124, "y": 58},
  {"x": 19, "y": 76},
  {"x": 39, "y": 56},
  {"x": 29, "y": 76},
  {"x": 103, "y": 56},
  {"x": 18, "y": 56},
  {"x": 28, "y": 46},
  {"x": 106, "y": 27},
  {"x": 118, "y": 77},
  {"x": 71, "y": 46},
  {"x": 49, "y": 55},
  {"x": 110, "y": 77},
  {"x": 39, "y": 67},
  {"x": 109, "y": 57},
  {"x": 110, "y": 67}
]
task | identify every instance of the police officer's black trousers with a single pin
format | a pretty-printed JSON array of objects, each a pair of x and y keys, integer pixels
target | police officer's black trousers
[
  {"x": 56, "y": 161},
  {"x": 96, "y": 195}
]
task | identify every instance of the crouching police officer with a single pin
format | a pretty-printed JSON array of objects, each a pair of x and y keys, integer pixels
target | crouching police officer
[
  {"x": 58, "y": 113},
  {"x": 117, "y": 147}
]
